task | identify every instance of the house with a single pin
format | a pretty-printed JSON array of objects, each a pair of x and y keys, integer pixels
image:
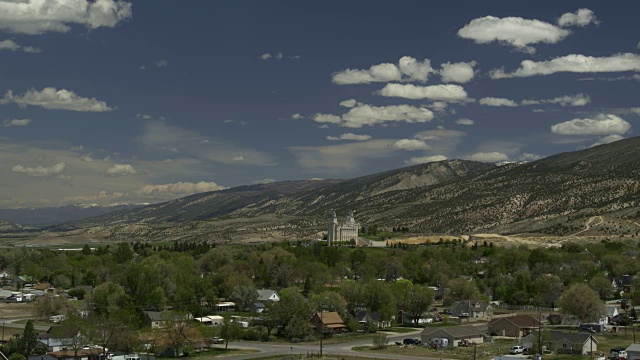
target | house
[
  {"x": 514, "y": 326},
  {"x": 455, "y": 334},
  {"x": 69, "y": 354},
  {"x": 610, "y": 315},
  {"x": 158, "y": 319},
  {"x": 365, "y": 316},
  {"x": 44, "y": 286},
  {"x": 623, "y": 284},
  {"x": 549, "y": 297},
  {"x": 225, "y": 306},
  {"x": 471, "y": 308},
  {"x": 54, "y": 344},
  {"x": 267, "y": 295},
  {"x": 328, "y": 320},
  {"x": 633, "y": 352},
  {"x": 211, "y": 320},
  {"x": 565, "y": 343},
  {"x": 257, "y": 307}
]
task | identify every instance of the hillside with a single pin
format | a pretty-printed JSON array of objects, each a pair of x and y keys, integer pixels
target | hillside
[{"x": 554, "y": 196}]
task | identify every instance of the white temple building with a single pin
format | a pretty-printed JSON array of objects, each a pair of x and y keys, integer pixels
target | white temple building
[{"x": 342, "y": 232}]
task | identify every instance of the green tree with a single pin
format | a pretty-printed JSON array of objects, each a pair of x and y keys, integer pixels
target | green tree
[
  {"x": 582, "y": 302},
  {"x": 602, "y": 286},
  {"x": 29, "y": 338},
  {"x": 229, "y": 331},
  {"x": 73, "y": 333},
  {"x": 460, "y": 289},
  {"x": 244, "y": 296},
  {"x": 291, "y": 305}
]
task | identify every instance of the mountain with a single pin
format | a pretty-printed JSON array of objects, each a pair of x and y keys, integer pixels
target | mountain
[
  {"x": 7, "y": 226},
  {"x": 560, "y": 195},
  {"x": 58, "y": 215}
]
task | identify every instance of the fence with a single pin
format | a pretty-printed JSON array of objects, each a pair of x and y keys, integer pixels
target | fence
[{"x": 524, "y": 307}]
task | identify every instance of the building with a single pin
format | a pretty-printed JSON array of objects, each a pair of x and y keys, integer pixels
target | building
[
  {"x": 514, "y": 326},
  {"x": 471, "y": 308},
  {"x": 328, "y": 321},
  {"x": 342, "y": 232},
  {"x": 265, "y": 295},
  {"x": 455, "y": 334},
  {"x": 633, "y": 352},
  {"x": 565, "y": 343}
]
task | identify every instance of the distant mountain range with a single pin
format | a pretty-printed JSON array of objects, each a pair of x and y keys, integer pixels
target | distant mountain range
[
  {"x": 47, "y": 216},
  {"x": 556, "y": 195}
]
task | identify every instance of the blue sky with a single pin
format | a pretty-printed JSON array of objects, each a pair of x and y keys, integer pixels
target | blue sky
[{"x": 108, "y": 101}]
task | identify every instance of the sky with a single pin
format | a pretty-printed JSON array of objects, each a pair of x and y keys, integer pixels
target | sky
[{"x": 111, "y": 101}]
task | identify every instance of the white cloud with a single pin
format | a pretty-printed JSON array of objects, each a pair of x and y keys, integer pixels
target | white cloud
[
  {"x": 529, "y": 157},
  {"x": 410, "y": 145},
  {"x": 567, "y": 100},
  {"x": 488, "y": 157},
  {"x": 162, "y": 63},
  {"x": 465, "y": 121},
  {"x": 408, "y": 69},
  {"x": 362, "y": 115},
  {"x": 348, "y": 103},
  {"x": 461, "y": 72},
  {"x": 13, "y": 46},
  {"x": 278, "y": 56},
  {"x": 327, "y": 118},
  {"x": 51, "y": 98},
  {"x": 77, "y": 148},
  {"x": 446, "y": 92},
  {"x": 121, "y": 169},
  {"x": 179, "y": 188},
  {"x": 575, "y": 63},
  {"x": 492, "y": 101},
  {"x": 349, "y": 136},
  {"x": 265, "y": 56},
  {"x": 514, "y": 31},
  {"x": 16, "y": 122},
  {"x": 607, "y": 139},
  {"x": 144, "y": 116},
  {"x": 603, "y": 124},
  {"x": 425, "y": 159},
  {"x": 238, "y": 158},
  {"x": 39, "y": 170},
  {"x": 40, "y": 16},
  {"x": 582, "y": 17},
  {"x": 265, "y": 181},
  {"x": 296, "y": 116}
]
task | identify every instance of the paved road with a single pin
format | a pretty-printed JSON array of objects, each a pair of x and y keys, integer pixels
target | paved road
[{"x": 266, "y": 349}]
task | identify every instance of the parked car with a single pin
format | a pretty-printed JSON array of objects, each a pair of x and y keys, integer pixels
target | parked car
[
  {"x": 217, "y": 340},
  {"x": 516, "y": 350},
  {"x": 410, "y": 341}
]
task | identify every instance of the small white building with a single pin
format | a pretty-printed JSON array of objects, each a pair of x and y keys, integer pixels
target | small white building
[{"x": 211, "y": 320}]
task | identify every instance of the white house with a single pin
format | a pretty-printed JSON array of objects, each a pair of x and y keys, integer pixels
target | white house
[{"x": 267, "y": 295}]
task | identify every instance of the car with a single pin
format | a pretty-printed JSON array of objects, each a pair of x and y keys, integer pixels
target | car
[
  {"x": 410, "y": 341},
  {"x": 516, "y": 350},
  {"x": 217, "y": 340}
]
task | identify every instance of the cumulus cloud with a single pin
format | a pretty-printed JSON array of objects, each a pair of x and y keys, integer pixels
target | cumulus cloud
[
  {"x": 607, "y": 139},
  {"x": 162, "y": 63},
  {"x": 434, "y": 92},
  {"x": 52, "y": 98},
  {"x": 574, "y": 63},
  {"x": 40, "y": 16},
  {"x": 121, "y": 169},
  {"x": 465, "y": 121},
  {"x": 410, "y": 145},
  {"x": 582, "y": 17},
  {"x": 349, "y": 136},
  {"x": 425, "y": 159},
  {"x": 461, "y": 72},
  {"x": 39, "y": 170},
  {"x": 348, "y": 103},
  {"x": 566, "y": 100},
  {"x": 265, "y": 181},
  {"x": 296, "y": 116},
  {"x": 408, "y": 69},
  {"x": 493, "y": 101},
  {"x": 488, "y": 157},
  {"x": 16, "y": 122},
  {"x": 179, "y": 188},
  {"x": 238, "y": 158},
  {"x": 13, "y": 46},
  {"x": 363, "y": 114},
  {"x": 513, "y": 31},
  {"x": 529, "y": 157},
  {"x": 603, "y": 124},
  {"x": 341, "y": 159}
]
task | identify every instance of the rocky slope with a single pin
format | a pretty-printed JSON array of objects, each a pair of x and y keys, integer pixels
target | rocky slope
[{"x": 556, "y": 195}]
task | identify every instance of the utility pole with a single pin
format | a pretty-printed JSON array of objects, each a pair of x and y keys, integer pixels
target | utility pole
[
  {"x": 539, "y": 332},
  {"x": 475, "y": 351},
  {"x": 321, "y": 331}
]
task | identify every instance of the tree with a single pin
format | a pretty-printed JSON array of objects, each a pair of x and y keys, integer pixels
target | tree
[
  {"x": 380, "y": 340},
  {"x": 176, "y": 328},
  {"x": 460, "y": 289},
  {"x": 582, "y": 302},
  {"x": 420, "y": 299},
  {"x": 73, "y": 333},
  {"x": 244, "y": 296},
  {"x": 602, "y": 286},
  {"x": 29, "y": 338},
  {"x": 229, "y": 331},
  {"x": 291, "y": 305}
]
